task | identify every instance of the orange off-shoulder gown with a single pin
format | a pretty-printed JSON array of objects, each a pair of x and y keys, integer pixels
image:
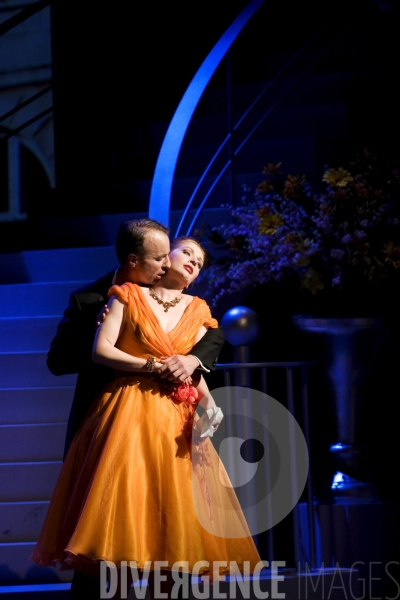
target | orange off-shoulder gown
[{"x": 128, "y": 489}]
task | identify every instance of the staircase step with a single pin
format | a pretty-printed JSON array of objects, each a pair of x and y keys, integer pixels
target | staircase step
[
  {"x": 36, "y": 591},
  {"x": 15, "y": 566},
  {"x": 71, "y": 232},
  {"x": 29, "y": 369},
  {"x": 73, "y": 266},
  {"x": 28, "y": 333},
  {"x": 335, "y": 584},
  {"x": 42, "y": 441},
  {"x": 36, "y": 404},
  {"x": 28, "y": 481},
  {"x": 37, "y": 299},
  {"x": 340, "y": 584},
  {"x": 21, "y": 521},
  {"x": 60, "y": 264}
]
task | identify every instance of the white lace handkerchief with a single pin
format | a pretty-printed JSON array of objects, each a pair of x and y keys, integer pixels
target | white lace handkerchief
[{"x": 209, "y": 421}]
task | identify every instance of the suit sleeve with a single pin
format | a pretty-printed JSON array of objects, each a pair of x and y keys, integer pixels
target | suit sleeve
[
  {"x": 71, "y": 347},
  {"x": 208, "y": 348}
]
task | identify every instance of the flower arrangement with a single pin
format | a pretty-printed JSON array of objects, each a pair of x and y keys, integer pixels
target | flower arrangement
[{"x": 344, "y": 239}]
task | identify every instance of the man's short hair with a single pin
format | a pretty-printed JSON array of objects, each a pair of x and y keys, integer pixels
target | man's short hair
[{"x": 131, "y": 236}]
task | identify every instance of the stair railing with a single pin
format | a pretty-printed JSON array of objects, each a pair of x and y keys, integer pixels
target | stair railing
[
  {"x": 266, "y": 114},
  {"x": 160, "y": 196}
]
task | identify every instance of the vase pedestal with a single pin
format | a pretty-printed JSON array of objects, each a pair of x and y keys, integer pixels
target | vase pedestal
[
  {"x": 347, "y": 458},
  {"x": 359, "y": 537},
  {"x": 350, "y": 344}
]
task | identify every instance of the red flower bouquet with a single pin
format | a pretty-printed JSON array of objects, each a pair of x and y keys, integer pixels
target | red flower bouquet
[{"x": 185, "y": 393}]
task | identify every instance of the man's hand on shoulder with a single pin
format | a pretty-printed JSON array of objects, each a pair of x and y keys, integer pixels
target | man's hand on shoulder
[{"x": 178, "y": 367}]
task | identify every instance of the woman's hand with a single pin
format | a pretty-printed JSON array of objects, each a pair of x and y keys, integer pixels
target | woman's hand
[{"x": 208, "y": 423}]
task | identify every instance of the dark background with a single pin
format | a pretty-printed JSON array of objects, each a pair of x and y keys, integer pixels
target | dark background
[{"x": 120, "y": 68}]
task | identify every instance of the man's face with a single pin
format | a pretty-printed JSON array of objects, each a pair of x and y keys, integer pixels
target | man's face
[{"x": 151, "y": 266}]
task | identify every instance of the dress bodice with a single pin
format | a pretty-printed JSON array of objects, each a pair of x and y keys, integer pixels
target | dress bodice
[{"x": 143, "y": 336}]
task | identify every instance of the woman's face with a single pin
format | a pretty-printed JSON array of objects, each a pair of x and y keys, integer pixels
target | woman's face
[{"x": 186, "y": 260}]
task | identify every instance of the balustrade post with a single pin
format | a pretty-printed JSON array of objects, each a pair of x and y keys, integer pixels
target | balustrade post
[{"x": 241, "y": 327}]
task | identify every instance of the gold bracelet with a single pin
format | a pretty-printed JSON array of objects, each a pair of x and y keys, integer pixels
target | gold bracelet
[{"x": 150, "y": 364}]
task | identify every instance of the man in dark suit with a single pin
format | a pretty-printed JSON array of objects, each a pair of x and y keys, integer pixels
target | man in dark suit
[{"x": 142, "y": 249}]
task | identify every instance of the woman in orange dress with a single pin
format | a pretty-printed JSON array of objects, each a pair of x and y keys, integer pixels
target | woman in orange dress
[{"x": 126, "y": 490}]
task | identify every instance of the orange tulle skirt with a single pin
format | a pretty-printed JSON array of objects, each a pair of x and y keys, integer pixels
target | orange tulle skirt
[{"x": 134, "y": 487}]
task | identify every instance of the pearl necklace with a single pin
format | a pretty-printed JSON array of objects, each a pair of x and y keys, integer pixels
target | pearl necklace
[{"x": 165, "y": 304}]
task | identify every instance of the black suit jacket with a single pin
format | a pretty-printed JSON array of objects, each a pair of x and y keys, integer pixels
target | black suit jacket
[{"x": 71, "y": 349}]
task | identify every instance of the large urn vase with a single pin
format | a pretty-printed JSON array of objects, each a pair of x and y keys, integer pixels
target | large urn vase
[{"x": 350, "y": 345}]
